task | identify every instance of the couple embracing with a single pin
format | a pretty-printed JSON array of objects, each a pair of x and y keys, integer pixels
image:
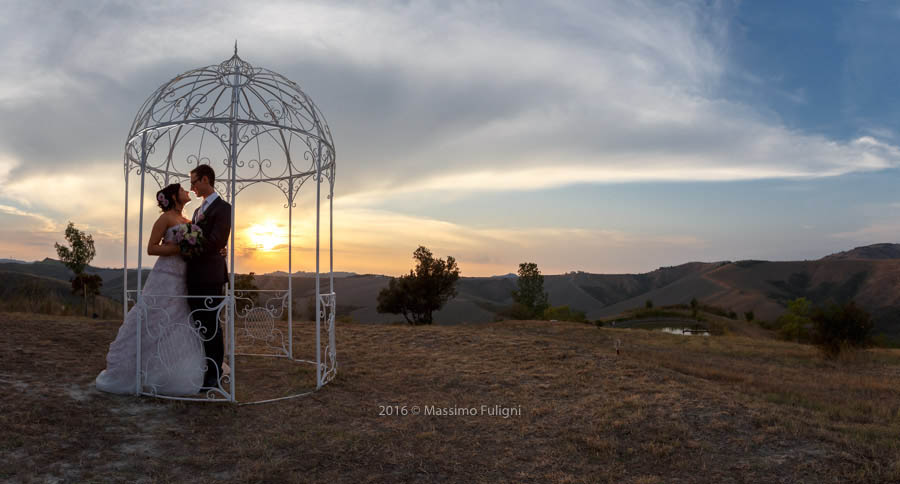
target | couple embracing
[{"x": 182, "y": 347}]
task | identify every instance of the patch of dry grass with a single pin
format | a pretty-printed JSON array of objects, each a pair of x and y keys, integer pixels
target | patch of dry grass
[{"x": 668, "y": 409}]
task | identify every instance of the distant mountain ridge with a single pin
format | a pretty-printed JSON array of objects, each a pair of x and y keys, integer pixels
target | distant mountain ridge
[
  {"x": 875, "y": 251},
  {"x": 309, "y": 274},
  {"x": 869, "y": 275}
]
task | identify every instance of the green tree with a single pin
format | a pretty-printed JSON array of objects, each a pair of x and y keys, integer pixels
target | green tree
[
  {"x": 421, "y": 292},
  {"x": 76, "y": 257},
  {"x": 530, "y": 293},
  {"x": 649, "y": 304},
  {"x": 840, "y": 325},
  {"x": 695, "y": 306},
  {"x": 749, "y": 315},
  {"x": 794, "y": 324}
]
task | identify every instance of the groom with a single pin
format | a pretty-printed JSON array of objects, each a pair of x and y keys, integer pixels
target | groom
[{"x": 207, "y": 272}]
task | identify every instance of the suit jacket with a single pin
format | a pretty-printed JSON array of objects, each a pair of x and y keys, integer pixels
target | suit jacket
[{"x": 209, "y": 267}]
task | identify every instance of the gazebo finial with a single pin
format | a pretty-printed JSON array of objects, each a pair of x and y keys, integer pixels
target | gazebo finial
[{"x": 235, "y": 47}]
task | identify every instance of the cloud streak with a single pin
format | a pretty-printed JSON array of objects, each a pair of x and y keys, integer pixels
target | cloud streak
[{"x": 423, "y": 98}]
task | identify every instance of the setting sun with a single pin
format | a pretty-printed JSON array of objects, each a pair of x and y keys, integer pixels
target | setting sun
[{"x": 266, "y": 236}]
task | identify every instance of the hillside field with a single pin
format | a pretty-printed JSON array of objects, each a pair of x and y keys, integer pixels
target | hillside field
[
  {"x": 868, "y": 275},
  {"x": 668, "y": 409}
]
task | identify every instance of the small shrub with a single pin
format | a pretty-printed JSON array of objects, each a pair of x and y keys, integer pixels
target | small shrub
[
  {"x": 515, "y": 311},
  {"x": 749, "y": 316},
  {"x": 795, "y": 324},
  {"x": 564, "y": 313},
  {"x": 840, "y": 326},
  {"x": 649, "y": 304}
]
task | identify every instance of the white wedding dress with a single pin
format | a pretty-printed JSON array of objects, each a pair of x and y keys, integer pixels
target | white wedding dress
[{"x": 172, "y": 355}]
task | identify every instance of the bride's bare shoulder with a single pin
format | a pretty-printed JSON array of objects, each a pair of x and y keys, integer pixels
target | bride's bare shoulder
[{"x": 169, "y": 219}]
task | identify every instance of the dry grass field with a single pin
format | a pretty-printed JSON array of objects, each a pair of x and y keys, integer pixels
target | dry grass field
[{"x": 667, "y": 409}]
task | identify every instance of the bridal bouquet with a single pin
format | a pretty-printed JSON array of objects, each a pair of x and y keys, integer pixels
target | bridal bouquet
[{"x": 190, "y": 238}]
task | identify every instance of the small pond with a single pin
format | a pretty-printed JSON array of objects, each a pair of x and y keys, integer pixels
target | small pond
[{"x": 683, "y": 332}]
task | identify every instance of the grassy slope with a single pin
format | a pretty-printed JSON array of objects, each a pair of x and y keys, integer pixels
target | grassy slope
[
  {"x": 760, "y": 286},
  {"x": 668, "y": 409},
  {"x": 33, "y": 293}
]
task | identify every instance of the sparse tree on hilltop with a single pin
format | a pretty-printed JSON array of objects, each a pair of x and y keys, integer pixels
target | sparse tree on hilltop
[
  {"x": 530, "y": 293},
  {"x": 424, "y": 290},
  {"x": 76, "y": 257}
]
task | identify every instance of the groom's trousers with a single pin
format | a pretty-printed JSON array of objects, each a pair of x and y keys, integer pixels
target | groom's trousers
[{"x": 210, "y": 332}]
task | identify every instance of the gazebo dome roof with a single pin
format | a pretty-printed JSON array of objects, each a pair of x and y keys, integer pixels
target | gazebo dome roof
[{"x": 274, "y": 130}]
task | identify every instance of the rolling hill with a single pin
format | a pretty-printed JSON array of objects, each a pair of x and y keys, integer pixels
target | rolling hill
[
  {"x": 37, "y": 294},
  {"x": 869, "y": 275}
]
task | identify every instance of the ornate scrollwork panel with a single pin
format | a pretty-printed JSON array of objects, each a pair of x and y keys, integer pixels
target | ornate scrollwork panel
[
  {"x": 327, "y": 310},
  {"x": 256, "y": 322}
]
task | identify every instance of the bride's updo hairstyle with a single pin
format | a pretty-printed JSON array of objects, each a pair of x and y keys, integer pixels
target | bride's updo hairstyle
[{"x": 168, "y": 197}]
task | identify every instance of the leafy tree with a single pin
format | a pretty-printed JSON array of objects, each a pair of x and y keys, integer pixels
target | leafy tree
[
  {"x": 840, "y": 325},
  {"x": 424, "y": 290},
  {"x": 749, "y": 315},
  {"x": 76, "y": 257},
  {"x": 649, "y": 304},
  {"x": 530, "y": 293},
  {"x": 795, "y": 323},
  {"x": 695, "y": 306}
]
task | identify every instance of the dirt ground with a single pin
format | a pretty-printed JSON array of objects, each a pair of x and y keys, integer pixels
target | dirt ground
[{"x": 427, "y": 404}]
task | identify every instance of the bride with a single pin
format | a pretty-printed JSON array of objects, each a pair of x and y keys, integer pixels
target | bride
[{"x": 172, "y": 355}]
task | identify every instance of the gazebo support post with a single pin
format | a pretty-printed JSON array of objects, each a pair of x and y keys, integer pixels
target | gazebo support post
[
  {"x": 319, "y": 374},
  {"x": 140, "y": 295},
  {"x": 125, "y": 248},
  {"x": 290, "y": 296},
  {"x": 331, "y": 257},
  {"x": 232, "y": 168}
]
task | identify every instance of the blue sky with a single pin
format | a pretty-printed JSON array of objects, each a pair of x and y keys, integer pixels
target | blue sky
[
  {"x": 827, "y": 67},
  {"x": 581, "y": 135}
]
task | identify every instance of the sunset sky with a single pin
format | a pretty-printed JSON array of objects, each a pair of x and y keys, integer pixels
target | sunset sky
[{"x": 598, "y": 136}]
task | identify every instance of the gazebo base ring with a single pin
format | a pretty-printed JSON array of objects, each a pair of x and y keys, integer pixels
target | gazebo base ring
[{"x": 222, "y": 397}]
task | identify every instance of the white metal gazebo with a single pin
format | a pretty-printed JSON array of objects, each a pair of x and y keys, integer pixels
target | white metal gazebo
[{"x": 253, "y": 126}]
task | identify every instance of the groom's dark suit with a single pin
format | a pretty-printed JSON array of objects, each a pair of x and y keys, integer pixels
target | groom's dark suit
[{"x": 207, "y": 272}]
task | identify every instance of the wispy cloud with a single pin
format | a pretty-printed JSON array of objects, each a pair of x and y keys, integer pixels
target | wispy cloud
[
  {"x": 424, "y": 99},
  {"x": 46, "y": 224},
  {"x": 887, "y": 231}
]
